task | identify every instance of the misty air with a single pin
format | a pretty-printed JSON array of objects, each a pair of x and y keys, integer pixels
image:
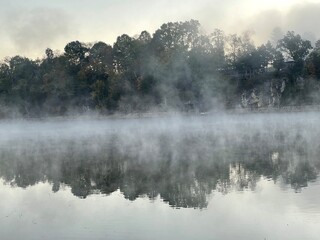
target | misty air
[{"x": 160, "y": 120}]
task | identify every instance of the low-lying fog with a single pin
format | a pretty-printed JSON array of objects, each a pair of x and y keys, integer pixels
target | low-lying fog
[
  {"x": 223, "y": 176},
  {"x": 162, "y": 156}
]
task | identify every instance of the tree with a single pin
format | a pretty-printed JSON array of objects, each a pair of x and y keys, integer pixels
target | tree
[
  {"x": 313, "y": 62},
  {"x": 26, "y": 84},
  {"x": 75, "y": 52},
  {"x": 5, "y": 83},
  {"x": 57, "y": 85},
  {"x": 49, "y": 54},
  {"x": 294, "y": 47},
  {"x": 278, "y": 61},
  {"x": 144, "y": 37},
  {"x": 239, "y": 46},
  {"x": 247, "y": 45},
  {"x": 124, "y": 53},
  {"x": 177, "y": 36},
  {"x": 101, "y": 54},
  {"x": 234, "y": 48},
  {"x": 218, "y": 39}
]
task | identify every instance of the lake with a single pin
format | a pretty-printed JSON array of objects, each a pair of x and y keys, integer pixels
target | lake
[{"x": 220, "y": 176}]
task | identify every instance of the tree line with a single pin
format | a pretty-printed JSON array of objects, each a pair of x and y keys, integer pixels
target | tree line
[{"x": 177, "y": 68}]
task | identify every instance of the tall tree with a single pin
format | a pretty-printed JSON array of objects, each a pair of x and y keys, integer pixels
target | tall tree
[
  {"x": 75, "y": 52},
  {"x": 219, "y": 43},
  {"x": 177, "y": 36},
  {"x": 294, "y": 46},
  {"x": 313, "y": 62},
  {"x": 234, "y": 48}
]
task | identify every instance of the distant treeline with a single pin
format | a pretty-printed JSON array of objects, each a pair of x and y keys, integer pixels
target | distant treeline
[{"x": 177, "y": 68}]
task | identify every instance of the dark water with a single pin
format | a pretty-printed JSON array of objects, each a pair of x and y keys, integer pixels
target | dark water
[{"x": 210, "y": 177}]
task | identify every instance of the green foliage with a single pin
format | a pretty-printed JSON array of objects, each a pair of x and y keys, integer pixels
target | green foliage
[
  {"x": 178, "y": 67},
  {"x": 313, "y": 62},
  {"x": 75, "y": 52},
  {"x": 294, "y": 46}
]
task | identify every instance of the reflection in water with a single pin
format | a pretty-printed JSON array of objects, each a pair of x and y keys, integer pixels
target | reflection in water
[{"x": 181, "y": 163}]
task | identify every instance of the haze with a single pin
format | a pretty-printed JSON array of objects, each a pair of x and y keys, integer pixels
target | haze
[{"x": 29, "y": 27}]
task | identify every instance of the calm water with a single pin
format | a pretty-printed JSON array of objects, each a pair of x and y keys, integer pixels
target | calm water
[{"x": 205, "y": 177}]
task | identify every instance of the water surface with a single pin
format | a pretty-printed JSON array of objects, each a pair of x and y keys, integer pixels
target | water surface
[{"x": 250, "y": 176}]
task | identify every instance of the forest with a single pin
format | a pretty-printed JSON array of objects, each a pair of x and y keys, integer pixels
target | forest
[{"x": 178, "y": 68}]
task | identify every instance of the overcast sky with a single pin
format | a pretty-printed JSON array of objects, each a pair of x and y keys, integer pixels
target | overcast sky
[{"x": 28, "y": 27}]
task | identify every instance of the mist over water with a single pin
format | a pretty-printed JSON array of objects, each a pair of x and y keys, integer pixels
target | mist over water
[{"x": 224, "y": 170}]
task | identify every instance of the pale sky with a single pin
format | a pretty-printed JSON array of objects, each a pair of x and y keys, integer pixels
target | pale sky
[{"x": 28, "y": 27}]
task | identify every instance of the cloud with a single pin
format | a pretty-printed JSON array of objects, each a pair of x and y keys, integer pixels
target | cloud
[
  {"x": 301, "y": 18},
  {"x": 32, "y": 31},
  {"x": 29, "y": 28}
]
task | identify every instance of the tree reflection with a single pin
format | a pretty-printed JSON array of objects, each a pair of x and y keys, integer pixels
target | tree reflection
[{"x": 183, "y": 171}]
